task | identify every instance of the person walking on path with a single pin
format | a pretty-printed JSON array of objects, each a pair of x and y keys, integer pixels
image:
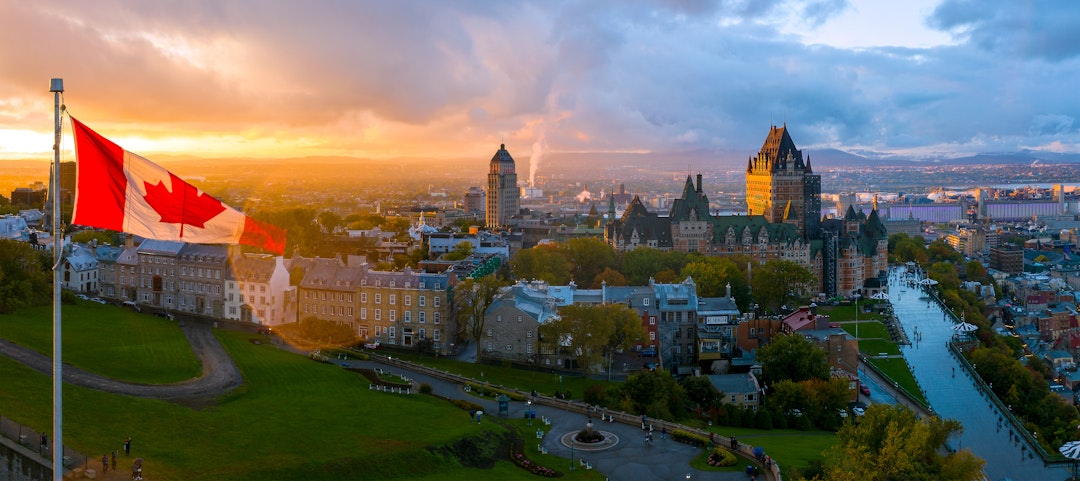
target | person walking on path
[
  {"x": 127, "y": 446},
  {"x": 104, "y": 463},
  {"x": 44, "y": 446},
  {"x": 114, "y": 460}
]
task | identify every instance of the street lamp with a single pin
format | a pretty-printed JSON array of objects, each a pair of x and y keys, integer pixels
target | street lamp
[
  {"x": 482, "y": 384},
  {"x": 528, "y": 412},
  {"x": 571, "y": 454}
]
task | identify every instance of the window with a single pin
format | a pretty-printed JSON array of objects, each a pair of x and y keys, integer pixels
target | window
[
  {"x": 349, "y": 297},
  {"x": 436, "y": 298},
  {"x": 393, "y": 299},
  {"x": 498, "y": 318},
  {"x": 423, "y": 334},
  {"x": 509, "y": 347},
  {"x": 422, "y": 301},
  {"x": 408, "y": 316},
  {"x": 378, "y": 298},
  {"x": 652, "y": 336},
  {"x": 519, "y": 318},
  {"x": 363, "y": 297},
  {"x": 408, "y": 300},
  {"x": 340, "y": 311},
  {"x": 393, "y": 332},
  {"x": 435, "y": 335},
  {"x": 363, "y": 313},
  {"x": 652, "y": 320},
  {"x": 422, "y": 317},
  {"x": 435, "y": 319},
  {"x": 645, "y": 302},
  {"x": 490, "y": 333},
  {"x": 378, "y": 314},
  {"x": 393, "y": 315},
  {"x": 528, "y": 333},
  {"x": 349, "y": 311}
]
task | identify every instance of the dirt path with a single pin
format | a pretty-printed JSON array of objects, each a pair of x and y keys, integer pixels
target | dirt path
[{"x": 219, "y": 374}]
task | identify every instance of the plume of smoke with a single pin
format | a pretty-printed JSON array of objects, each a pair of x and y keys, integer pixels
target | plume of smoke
[{"x": 538, "y": 147}]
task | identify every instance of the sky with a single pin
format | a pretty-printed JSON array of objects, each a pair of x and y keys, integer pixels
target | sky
[{"x": 437, "y": 79}]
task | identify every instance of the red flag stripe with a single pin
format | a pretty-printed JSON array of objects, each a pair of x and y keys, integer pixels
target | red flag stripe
[{"x": 101, "y": 185}]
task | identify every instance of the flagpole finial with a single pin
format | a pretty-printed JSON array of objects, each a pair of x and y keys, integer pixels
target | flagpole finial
[{"x": 56, "y": 85}]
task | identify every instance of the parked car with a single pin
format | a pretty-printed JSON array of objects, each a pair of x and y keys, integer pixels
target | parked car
[
  {"x": 371, "y": 345},
  {"x": 647, "y": 352},
  {"x": 83, "y": 297},
  {"x": 864, "y": 389},
  {"x": 858, "y": 411},
  {"x": 98, "y": 300},
  {"x": 131, "y": 305}
]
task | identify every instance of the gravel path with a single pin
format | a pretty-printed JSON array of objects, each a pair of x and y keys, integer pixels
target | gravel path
[{"x": 219, "y": 374}]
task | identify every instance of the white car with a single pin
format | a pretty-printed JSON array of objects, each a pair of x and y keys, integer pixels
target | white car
[
  {"x": 98, "y": 300},
  {"x": 83, "y": 297},
  {"x": 858, "y": 411}
]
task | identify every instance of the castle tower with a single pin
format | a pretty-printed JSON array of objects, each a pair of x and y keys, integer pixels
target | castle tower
[
  {"x": 782, "y": 187},
  {"x": 503, "y": 196}
]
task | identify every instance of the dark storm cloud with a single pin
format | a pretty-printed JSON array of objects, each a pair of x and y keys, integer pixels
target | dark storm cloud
[{"x": 1027, "y": 28}]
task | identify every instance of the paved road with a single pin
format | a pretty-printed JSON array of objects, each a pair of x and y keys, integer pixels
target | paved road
[
  {"x": 958, "y": 397},
  {"x": 629, "y": 460}
]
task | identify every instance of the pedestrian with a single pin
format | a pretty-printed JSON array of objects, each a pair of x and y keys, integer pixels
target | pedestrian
[
  {"x": 104, "y": 463},
  {"x": 44, "y": 446},
  {"x": 127, "y": 446},
  {"x": 114, "y": 460},
  {"x": 663, "y": 432}
]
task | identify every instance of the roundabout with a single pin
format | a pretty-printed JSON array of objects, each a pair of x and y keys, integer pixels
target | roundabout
[{"x": 605, "y": 440}]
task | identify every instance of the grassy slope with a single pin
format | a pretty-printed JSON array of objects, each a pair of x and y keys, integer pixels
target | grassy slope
[
  {"x": 790, "y": 448},
  {"x": 108, "y": 340}
]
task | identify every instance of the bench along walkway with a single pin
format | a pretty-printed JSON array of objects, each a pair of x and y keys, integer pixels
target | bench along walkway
[{"x": 629, "y": 460}]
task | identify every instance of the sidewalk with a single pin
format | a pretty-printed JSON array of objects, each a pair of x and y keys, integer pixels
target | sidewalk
[{"x": 629, "y": 460}]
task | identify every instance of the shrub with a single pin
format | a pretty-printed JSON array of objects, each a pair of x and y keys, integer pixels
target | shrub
[
  {"x": 466, "y": 405},
  {"x": 595, "y": 394},
  {"x": 425, "y": 388},
  {"x": 689, "y": 437},
  {"x": 720, "y": 457}
]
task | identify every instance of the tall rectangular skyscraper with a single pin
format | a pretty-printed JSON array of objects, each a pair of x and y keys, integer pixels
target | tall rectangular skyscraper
[{"x": 503, "y": 196}]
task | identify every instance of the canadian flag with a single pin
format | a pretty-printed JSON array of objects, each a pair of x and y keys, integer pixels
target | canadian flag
[{"x": 116, "y": 189}]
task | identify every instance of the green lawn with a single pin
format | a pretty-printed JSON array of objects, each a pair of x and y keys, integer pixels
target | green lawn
[
  {"x": 790, "y": 448},
  {"x": 874, "y": 347},
  {"x": 542, "y": 382},
  {"x": 867, "y": 329},
  {"x": 898, "y": 370},
  {"x": 847, "y": 313},
  {"x": 293, "y": 419},
  {"x": 108, "y": 340}
]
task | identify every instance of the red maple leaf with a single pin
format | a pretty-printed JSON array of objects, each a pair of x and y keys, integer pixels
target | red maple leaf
[{"x": 183, "y": 205}]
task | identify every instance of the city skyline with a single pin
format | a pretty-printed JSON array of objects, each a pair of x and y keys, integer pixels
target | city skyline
[{"x": 424, "y": 79}]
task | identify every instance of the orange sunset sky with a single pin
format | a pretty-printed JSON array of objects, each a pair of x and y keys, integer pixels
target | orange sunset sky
[{"x": 381, "y": 79}]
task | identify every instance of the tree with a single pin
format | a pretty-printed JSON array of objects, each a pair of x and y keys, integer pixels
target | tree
[
  {"x": 588, "y": 257},
  {"x": 700, "y": 391},
  {"x": 778, "y": 282},
  {"x": 460, "y": 251},
  {"x": 25, "y": 276},
  {"x": 472, "y": 298},
  {"x": 85, "y": 236},
  {"x": 609, "y": 276},
  {"x": 643, "y": 263},
  {"x": 544, "y": 262},
  {"x": 974, "y": 271},
  {"x": 712, "y": 275},
  {"x": 588, "y": 334},
  {"x": 792, "y": 357},
  {"x": 891, "y": 443},
  {"x": 655, "y": 394},
  {"x": 329, "y": 221}
]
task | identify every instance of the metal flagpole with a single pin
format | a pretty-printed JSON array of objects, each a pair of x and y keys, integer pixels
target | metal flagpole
[{"x": 57, "y": 88}]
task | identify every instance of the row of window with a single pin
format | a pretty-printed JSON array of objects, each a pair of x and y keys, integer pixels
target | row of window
[
  {"x": 407, "y": 316},
  {"x": 391, "y": 332},
  {"x": 378, "y": 297}
]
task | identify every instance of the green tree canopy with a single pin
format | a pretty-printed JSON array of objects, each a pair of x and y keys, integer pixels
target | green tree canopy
[
  {"x": 712, "y": 275},
  {"x": 86, "y": 235},
  {"x": 792, "y": 357},
  {"x": 642, "y": 263},
  {"x": 609, "y": 276},
  {"x": 778, "y": 283},
  {"x": 891, "y": 443},
  {"x": 588, "y": 257},
  {"x": 544, "y": 262},
  {"x": 460, "y": 251},
  {"x": 654, "y": 393},
  {"x": 25, "y": 276}
]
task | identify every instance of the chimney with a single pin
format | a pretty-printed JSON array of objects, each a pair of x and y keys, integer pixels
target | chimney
[{"x": 699, "y": 183}]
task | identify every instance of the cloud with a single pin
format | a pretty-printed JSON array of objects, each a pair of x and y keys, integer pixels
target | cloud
[{"x": 455, "y": 79}]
